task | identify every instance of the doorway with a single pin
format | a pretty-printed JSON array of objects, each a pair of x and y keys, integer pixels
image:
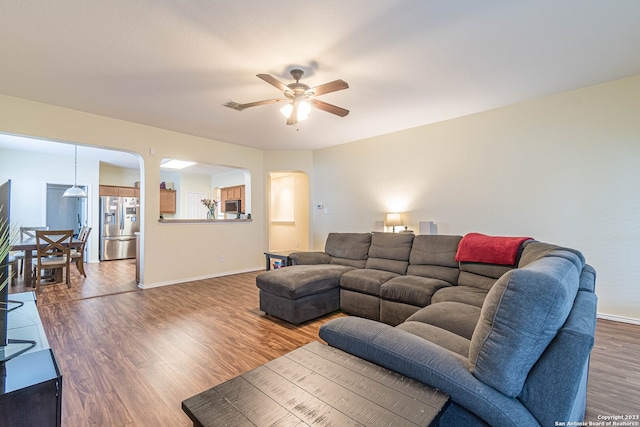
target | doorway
[
  {"x": 195, "y": 208},
  {"x": 288, "y": 211},
  {"x": 65, "y": 213}
]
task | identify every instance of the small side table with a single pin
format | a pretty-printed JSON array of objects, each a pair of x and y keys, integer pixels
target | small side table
[{"x": 282, "y": 255}]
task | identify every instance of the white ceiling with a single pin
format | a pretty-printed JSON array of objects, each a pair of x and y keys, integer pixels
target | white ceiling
[
  {"x": 174, "y": 63},
  {"x": 111, "y": 157}
]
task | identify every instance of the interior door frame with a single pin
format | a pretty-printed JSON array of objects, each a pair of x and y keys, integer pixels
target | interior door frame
[
  {"x": 82, "y": 210},
  {"x": 294, "y": 231}
]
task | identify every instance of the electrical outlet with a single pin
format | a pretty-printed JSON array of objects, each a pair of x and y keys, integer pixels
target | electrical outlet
[{"x": 221, "y": 259}]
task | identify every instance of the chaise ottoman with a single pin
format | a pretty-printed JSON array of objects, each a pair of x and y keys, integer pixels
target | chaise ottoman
[{"x": 301, "y": 292}]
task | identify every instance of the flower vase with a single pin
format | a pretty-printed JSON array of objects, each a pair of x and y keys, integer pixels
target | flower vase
[{"x": 211, "y": 214}]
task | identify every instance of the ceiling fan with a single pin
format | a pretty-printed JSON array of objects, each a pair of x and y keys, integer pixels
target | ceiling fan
[{"x": 300, "y": 96}]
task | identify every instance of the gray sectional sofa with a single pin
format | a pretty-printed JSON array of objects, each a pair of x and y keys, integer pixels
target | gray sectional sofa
[{"x": 509, "y": 341}]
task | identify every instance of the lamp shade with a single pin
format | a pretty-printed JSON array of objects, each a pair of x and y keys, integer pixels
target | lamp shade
[
  {"x": 393, "y": 219},
  {"x": 74, "y": 192}
]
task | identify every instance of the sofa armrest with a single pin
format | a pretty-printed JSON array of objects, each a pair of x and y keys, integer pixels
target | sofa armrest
[
  {"x": 428, "y": 363},
  {"x": 308, "y": 258}
]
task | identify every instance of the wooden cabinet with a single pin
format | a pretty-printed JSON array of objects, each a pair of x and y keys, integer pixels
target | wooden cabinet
[
  {"x": 167, "y": 197},
  {"x": 108, "y": 190},
  {"x": 112, "y": 190},
  {"x": 128, "y": 192},
  {"x": 167, "y": 201},
  {"x": 233, "y": 193}
]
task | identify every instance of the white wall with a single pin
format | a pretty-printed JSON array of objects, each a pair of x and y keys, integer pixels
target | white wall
[
  {"x": 564, "y": 169},
  {"x": 171, "y": 253},
  {"x": 227, "y": 179},
  {"x": 121, "y": 177},
  {"x": 30, "y": 172}
]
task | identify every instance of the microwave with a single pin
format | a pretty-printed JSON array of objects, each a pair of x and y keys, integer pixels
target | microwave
[{"x": 233, "y": 206}]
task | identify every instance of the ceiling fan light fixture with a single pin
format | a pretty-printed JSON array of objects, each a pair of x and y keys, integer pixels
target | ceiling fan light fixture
[
  {"x": 287, "y": 109},
  {"x": 303, "y": 110},
  {"x": 299, "y": 97}
]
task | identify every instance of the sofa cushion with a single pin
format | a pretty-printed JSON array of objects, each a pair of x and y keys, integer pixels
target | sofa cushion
[
  {"x": 436, "y": 335},
  {"x": 521, "y": 314},
  {"x": 394, "y": 313},
  {"x": 359, "y": 304},
  {"x": 414, "y": 290},
  {"x": 481, "y": 276},
  {"x": 427, "y": 362},
  {"x": 298, "y": 281},
  {"x": 455, "y": 317},
  {"x": 588, "y": 279},
  {"x": 535, "y": 250},
  {"x": 308, "y": 258},
  {"x": 350, "y": 249},
  {"x": 569, "y": 395},
  {"x": 434, "y": 256},
  {"x": 390, "y": 252},
  {"x": 353, "y": 263},
  {"x": 463, "y": 294},
  {"x": 366, "y": 281}
]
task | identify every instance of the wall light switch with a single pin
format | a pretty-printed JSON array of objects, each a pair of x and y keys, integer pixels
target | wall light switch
[{"x": 319, "y": 206}]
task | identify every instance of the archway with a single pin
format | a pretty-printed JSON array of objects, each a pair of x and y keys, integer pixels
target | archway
[{"x": 288, "y": 210}]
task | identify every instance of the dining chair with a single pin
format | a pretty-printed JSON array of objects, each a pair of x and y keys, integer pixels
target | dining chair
[
  {"x": 13, "y": 265},
  {"x": 78, "y": 254},
  {"x": 53, "y": 251},
  {"x": 27, "y": 233}
]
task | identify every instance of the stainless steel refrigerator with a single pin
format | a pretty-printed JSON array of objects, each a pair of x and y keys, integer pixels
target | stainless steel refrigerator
[{"x": 118, "y": 225}]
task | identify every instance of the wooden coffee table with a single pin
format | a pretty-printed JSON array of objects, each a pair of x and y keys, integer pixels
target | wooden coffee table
[{"x": 317, "y": 385}]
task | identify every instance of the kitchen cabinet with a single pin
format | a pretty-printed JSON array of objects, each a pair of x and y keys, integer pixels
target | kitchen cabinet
[
  {"x": 128, "y": 192},
  {"x": 112, "y": 190},
  {"x": 233, "y": 193},
  {"x": 108, "y": 190},
  {"x": 167, "y": 201}
]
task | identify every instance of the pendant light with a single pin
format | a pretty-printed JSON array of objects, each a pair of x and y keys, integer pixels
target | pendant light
[{"x": 75, "y": 191}]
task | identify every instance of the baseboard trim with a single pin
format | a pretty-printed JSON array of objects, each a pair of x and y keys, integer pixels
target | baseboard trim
[
  {"x": 193, "y": 279},
  {"x": 620, "y": 319}
]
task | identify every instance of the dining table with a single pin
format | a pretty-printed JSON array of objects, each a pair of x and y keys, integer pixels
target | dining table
[{"x": 30, "y": 244}]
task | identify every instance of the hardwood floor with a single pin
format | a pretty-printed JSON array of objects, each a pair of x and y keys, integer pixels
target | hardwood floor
[
  {"x": 614, "y": 373},
  {"x": 129, "y": 357},
  {"x": 103, "y": 278}
]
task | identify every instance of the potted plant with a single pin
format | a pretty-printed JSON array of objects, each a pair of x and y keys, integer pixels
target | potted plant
[
  {"x": 211, "y": 205},
  {"x": 7, "y": 237}
]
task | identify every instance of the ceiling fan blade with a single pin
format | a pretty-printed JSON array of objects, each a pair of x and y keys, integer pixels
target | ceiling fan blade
[
  {"x": 329, "y": 87},
  {"x": 329, "y": 108},
  {"x": 293, "y": 117},
  {"x": 240, "y": 107},
  {"x": 274, "y": 82}
]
